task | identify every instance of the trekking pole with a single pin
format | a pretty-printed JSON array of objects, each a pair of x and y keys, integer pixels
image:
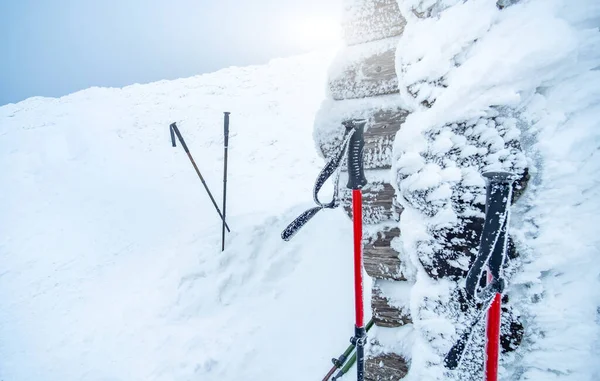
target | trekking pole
[
  {"x": 346, "y": 367},
  {"x": 226, "y": 144},
  {"x": 356, "y": 181},
  {"x": 340, "y": 361},
  {"x": 175, "y": 131},
  {"x": 492, "y": 253},
  {"x": 499, "y": 192}
]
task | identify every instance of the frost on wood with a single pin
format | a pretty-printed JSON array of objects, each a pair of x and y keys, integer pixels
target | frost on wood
[
  {"x": 444, "y": 187},
  {"x": 384, "y": 119},
  {"x": 368, "y": 20},
  {"x": 364, "y": 70},
  {"x": 380, "y": 259},
  {"x": 449, "y": 191},
  {"x": 379, "y": 202},
  {"x": 387, "y": 311},
  {"x": 463, "y": 125},
  {"x": 384, "y": 367}
]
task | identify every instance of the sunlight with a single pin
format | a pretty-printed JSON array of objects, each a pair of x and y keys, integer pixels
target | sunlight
[{"x": 315, "y": 32}]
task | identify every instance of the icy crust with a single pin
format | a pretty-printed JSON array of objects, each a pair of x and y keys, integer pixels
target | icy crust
[
  {"x": 558, "y": 286},
  {"x": 352, "y": 70},
  {"x": 476, "y": 77},
  {"x": 368, "y": 20},
  {"x": 445, "y": 177},
  {"x": 351, "y": 56}
]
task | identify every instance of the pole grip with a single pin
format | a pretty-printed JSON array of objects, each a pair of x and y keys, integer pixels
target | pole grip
[
  {"x": 226, "y": 128},
  {"x": 172, "y": 131},
  {"x": 356, "y": 171},
  {"x": 176, "y": 130},
  {"x": 493, "y": 236}
]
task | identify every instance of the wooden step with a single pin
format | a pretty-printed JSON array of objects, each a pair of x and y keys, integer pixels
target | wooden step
[
  {"x": 369, "y": 20},
  {"x": 385, "y": 367},
  {"x": 382, "y": 125},
  {"x": 379, "y": 202},
  {"x": 386, "y": 312},
  {"x": 380, "y": 260},
  {"x": 365, "y": 70}
]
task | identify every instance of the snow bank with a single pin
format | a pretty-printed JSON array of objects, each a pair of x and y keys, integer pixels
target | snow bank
[
  {"x": 504, "y": 89},
  {"x": 110, "y": 249}
]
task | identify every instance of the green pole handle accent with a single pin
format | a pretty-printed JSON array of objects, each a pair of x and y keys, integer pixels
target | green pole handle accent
[{"x": 352, "y": 360}]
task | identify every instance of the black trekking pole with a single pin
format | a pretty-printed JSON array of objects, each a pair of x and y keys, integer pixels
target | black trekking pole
[
  {"x": 340, "y": 361},
  {"x": 226, "y": 144},
  {"x": 175, "y": 131},
  {"x": 490, "y": 259}
]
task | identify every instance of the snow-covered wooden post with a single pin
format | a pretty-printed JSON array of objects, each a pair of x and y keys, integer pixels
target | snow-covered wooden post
[{"x": 363, "y": 84}]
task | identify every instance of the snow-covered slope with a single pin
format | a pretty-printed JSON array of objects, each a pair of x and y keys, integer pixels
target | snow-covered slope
[{"x": 110, "y": 262}]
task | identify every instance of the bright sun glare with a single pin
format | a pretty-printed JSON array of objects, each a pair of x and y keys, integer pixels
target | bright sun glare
[{"x": 315, "y": 32}]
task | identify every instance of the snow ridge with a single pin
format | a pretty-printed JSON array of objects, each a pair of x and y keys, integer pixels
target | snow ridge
[{"x": 110, "y": 249}]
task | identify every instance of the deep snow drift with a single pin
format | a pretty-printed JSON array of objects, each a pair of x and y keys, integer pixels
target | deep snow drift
[{"x": 110, "y": 248}]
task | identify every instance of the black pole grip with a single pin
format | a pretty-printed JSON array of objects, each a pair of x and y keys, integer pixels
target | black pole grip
[
  {"x": 226, "y": 127},
  {"x": 176, "y": 130},
  {"x": 494, "y": 235},
  {"x": 172, "y": 131},
  {"x": 356, "y": 171}
]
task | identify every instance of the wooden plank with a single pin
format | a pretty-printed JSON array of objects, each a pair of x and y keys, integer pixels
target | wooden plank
[
  {"x": 380, "y": 260},
  {"x": 365, "y": 70},
  {"x": 369, "y": 20},
  {"x": 386, "y": 313},
  {"x": 382, "y": 126},
  {"x": 385, "y": 367},
  {"x": 379, "y": 202}
]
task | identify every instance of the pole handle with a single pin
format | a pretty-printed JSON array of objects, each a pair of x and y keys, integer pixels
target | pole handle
[
  {"x": 226, "y": 128},
  {"x": 356, "y": 171},
  {"x": 174, "y": 129},
  {"x": 493, "y": 237}
]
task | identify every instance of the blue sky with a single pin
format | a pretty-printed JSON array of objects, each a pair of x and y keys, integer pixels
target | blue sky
[{"x": 55, "y": 47}]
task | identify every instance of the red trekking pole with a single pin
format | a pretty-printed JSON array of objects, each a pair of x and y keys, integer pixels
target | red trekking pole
[
  {"x": 357, "y": 180},
  {"x": 490, "y": 259},
  {"x": 354, "y": 141},
  {"x": 492, "y": 344}
]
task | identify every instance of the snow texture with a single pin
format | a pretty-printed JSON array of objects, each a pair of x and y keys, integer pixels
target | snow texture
[
  {"x": 110, "y": 248},
  {"x": 503, "y": 89}
]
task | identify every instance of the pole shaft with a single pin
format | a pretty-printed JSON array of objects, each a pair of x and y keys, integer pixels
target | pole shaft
[
  {"x": 358, "y": 280},
  {"x": 225, "y": 145},
  {"x": 360, "y": 362},
  {"x": 493, "y": 339},
  {"x": 330, "y": 373},
  {"x": 358, "y": 283},
  {"x": 207, "y": 190},
  {"x": 175, "y": 131}
]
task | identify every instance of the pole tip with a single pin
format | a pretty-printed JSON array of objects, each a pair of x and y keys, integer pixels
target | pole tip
[{"x": 226, "y": 112}]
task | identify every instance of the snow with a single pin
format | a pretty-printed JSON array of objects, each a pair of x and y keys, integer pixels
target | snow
[
  {"x": 110, "y": 248},
  {"x": 504, "y": 89}
]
